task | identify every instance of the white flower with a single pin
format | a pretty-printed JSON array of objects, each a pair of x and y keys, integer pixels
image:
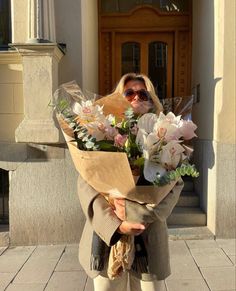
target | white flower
[
  {"x": 167, "y": 126},
  {"x": 147, "y": 122},
  {"x": 141, "y": 138},
  {"x": 87, "y": 112},
  {"x": 171, "y": 154},
  {"x": 151, "y": 170}
]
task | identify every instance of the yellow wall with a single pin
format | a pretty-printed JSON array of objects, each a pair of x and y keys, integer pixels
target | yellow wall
[{"x": 11, "y": 99}]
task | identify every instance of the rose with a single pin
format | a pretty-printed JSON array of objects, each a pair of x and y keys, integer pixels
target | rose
[{"x": 120, "y": 140}]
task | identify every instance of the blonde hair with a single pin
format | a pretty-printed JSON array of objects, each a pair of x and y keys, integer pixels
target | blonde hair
[{"x": 146, "y": 81}]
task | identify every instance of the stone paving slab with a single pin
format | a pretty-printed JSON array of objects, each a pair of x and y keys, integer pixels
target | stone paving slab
[
  {"x": 195, "y": 265},
  {"x": 2, "y": 249},
  {"x": 220, "y": 278},
  {"x": 184, "y": 268},
  {"x": 25, "y": 287},
  {"x": 40, "y": 265},
  {"x": 89, "y": 285},
  {"x": 187, "y": 285},
  {"x": 67, "y": 281},
  {"x": 210, "y": 257},
  {"x": 178, "y": 248},
  {"x": 69, "y": 259},
  {"x": 199, "y": 244},
  {"x": 5, "y": 279},
  {"x": 228, "y": 245},
  {"x": 233, "y": 259},
  {"x": 14, "y": 257}
]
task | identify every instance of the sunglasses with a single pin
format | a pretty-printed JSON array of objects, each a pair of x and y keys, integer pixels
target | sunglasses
[{"x": 143, "y": 94}]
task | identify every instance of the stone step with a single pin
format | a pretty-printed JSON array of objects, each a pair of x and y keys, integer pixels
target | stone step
[
  {"x": 187, "y": 216},
  {"x": 188, "y": 199},
  {"x": 177, "y": 232},
  {"x": 188, "y": 184}
]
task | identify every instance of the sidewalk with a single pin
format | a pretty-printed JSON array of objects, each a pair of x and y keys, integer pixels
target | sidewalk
[{"x": 197, "y": 265}]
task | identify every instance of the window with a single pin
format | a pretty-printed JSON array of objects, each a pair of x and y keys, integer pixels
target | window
[
  {"x": 157, "y": 67},
  {"x": 130, "y": 57},
  {"x": 5, "y": 24},
  {"x": 122, "y": 6}
]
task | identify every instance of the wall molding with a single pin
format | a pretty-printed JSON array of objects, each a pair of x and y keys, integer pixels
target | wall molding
[{"x": 10, "y": 57}]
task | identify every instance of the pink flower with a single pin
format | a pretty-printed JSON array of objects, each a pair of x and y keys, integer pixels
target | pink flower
[
  {"x": 110, "y": 132},
  {"x": 187, "y": 129},
  {"x": 120, "y": 140}
]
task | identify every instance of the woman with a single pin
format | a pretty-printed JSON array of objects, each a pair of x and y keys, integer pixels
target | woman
[{"x": 130, "y": 218}]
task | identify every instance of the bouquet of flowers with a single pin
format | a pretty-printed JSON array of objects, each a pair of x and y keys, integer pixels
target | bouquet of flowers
[
  {"x": 104, "y": 132},
  {"x": 154, "y": 145}
]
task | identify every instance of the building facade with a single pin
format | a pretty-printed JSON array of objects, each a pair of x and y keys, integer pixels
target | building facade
[{"x": 186, "y": 47}]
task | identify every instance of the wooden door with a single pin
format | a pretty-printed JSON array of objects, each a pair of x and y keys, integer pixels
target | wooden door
[
  {"x": 147, "y": 53},
  {"x": 156, "y": 37}
]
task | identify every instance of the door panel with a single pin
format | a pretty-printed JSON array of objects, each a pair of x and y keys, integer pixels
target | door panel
[
  {"x": 145, "y": 41},
  {"x": 153, "y": 29}
]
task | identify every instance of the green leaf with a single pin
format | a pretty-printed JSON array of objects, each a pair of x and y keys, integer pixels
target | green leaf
[
  {"x": 139, "y": 162},
  {"x": 107, "y": 145}
]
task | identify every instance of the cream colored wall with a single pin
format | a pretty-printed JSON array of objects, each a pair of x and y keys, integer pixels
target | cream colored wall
[
  {"x": 78, "y": 29},
  {"x": 225, "y": 106},
  {"x": 203, "y": 66},
  {"x": 213, "y": 67},
  {"x": 11, "y": 84},
  {"x": 89, "y": 17},
  {"x": 19, "y": 15},
  {"x": 68, "y": 31},
  {"x": 11, "y": 98}
]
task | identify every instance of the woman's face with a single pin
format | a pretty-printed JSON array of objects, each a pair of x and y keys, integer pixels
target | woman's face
[{"x": 138, "y": 96}]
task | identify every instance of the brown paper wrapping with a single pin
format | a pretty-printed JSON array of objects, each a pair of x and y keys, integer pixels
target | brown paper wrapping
[
  {"x": 114, "y": 104},
  {"x": 109, "y": 172}
]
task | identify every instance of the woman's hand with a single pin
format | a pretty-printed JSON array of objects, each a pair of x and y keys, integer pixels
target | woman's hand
[
  {"x": 130, "y": 228},
  {"x": 119, "y": 210},
  {"x": 126, "y": 227}
]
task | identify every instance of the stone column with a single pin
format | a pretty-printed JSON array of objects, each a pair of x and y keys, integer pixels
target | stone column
[
  {"x": 41, "y": 26},
  {"x": 40, "y": 80},
  {"x": 40, "y": 58}
]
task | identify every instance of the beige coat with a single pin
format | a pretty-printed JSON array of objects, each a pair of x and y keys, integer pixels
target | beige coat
[{"x": 101, "y": 218}]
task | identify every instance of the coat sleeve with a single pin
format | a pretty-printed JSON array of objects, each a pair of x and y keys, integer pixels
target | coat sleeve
[
  {"x": 99, "y": 213},
  {"x": 144, "y": 213}
]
